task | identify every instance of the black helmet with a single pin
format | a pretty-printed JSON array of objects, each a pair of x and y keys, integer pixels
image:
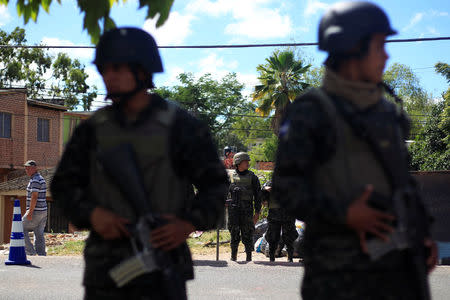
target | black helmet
[
  {"x": 128, "y": 45},
  {"x": 345, "y": 24}
]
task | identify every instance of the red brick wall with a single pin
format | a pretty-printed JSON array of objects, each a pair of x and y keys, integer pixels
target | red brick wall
[
  {"x": 265, "y": 165},
  {"x": 46, "y": 154},
  {"x": 12, "y": 149}
]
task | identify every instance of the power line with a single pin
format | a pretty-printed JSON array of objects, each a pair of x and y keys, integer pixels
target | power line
[{"x": 412, "y": 40}]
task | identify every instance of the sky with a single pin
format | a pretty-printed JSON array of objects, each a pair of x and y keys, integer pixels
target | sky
[{"x": 206, "y": 22}]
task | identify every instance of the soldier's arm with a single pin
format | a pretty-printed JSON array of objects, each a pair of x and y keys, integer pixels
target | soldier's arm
[
  {"x": 305, "y": 141},
  {"x": 71, "y": 179},
  {"x": 195, "y": 157},
  {"x": 256, "y": 193}
]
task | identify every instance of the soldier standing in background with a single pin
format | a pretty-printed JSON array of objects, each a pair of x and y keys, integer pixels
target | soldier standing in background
[
  {"x": 279, "y": 221},
  {"x": 342, "y": 168},
  {"x": 244, "y": 205}
]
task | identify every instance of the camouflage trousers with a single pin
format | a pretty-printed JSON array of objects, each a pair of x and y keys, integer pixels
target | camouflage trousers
[
  {"x": 241, "y": 225},
  {"x": 367, "y": 285},
  {"x": 279, "y": 221}
]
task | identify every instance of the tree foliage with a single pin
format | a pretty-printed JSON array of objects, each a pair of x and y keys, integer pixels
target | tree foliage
[
  {"x": 30, "y": 68},
  {"x": 281, "y": 81},
  {"x": 406, "y": 85},
  {"x": 264, "y": 152},
  {"x": 219, "y": 103},
  {"x": 96, "y": 12},
  {"x": 431, "y": 147}
]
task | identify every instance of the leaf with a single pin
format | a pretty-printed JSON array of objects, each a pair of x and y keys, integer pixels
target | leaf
[
  {"x": 160, "y": 7},
  {"x": 46, "y": 5}
]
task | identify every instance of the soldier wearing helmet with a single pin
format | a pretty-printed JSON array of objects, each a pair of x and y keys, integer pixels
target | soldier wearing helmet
[
  {"x": 166, "y": 141},
  {"x": 244, "y": 205},
  {"x": 342, "y": 167}
]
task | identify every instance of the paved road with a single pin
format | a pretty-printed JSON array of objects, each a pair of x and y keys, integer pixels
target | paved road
[{"x": 60, "y": 278}]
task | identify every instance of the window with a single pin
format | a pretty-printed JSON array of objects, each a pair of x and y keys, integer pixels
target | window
[
  {"x": 5, "y": 125},
  {"x": 43, "y": 130}
]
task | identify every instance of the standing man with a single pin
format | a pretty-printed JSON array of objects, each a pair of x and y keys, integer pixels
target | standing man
[
  {"x": 279, "y": 221},
  {"x": 342, "y": 167},
  {"x": 245, "y": 205},
  {"x": 35, "y": 217},
  {"x": 167, "y": 143}
]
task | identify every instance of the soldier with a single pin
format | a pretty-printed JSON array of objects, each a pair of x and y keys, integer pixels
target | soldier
[
  {"x": 342, "y": 167},
  {"x": 279, "y": 221},
  {"x": 167, "y": 142},
  {"x": 245, "y": 205}
]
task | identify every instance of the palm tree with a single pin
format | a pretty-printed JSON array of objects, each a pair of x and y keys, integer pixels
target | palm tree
[{"x": 281, "y": 82}]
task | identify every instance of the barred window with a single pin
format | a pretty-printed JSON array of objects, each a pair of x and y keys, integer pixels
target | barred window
[
  {"x": 43, "y": 130},
  {"x": 5, "y": 125}
]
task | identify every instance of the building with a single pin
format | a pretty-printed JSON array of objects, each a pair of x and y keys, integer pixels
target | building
[{"x": 29, "y": 129}]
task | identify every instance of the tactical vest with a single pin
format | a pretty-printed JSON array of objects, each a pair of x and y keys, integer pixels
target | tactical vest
[
  {"x": 345, "y": 175},
  {"x": 167, "y": 192},
  {"x": 244, "y": 183}
]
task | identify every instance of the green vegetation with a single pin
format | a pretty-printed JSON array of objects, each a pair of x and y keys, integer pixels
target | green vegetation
[
  {"x": 67, "y": 248},
  {"x": 96, "y": 13}
]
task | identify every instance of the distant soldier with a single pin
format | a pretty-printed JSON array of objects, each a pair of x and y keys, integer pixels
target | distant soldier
[
  {"x": 342, "y": 167},
  {"x": 279, "y": 221},
  {"x": 244, "y": 205}
]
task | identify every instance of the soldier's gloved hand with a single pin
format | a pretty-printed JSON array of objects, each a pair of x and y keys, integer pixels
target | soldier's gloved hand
[
  {"x": 432, "y": 259},
  {"x": 172, "y": 234},
  {"x": 109, "y": 225},
  {"x": 362, "y": 218}
]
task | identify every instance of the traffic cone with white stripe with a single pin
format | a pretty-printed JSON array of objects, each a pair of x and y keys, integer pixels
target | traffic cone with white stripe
[{"x": 17, "y": 255}]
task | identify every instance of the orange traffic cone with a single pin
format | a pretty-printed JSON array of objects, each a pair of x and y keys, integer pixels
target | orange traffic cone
[{"x": 17, "y": 255}]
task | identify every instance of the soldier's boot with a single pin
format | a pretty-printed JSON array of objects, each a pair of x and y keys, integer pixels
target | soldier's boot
[
  {"x": 249, "y": 256},
  {"x": 234, "y": 254},
  {"x": 272, "y": 255},
  {"x": 290, "y": 256}
]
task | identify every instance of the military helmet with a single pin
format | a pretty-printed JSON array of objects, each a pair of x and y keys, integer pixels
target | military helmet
[
  {"x": 240, "y": 157},
  {"x": 128, "y": 45},
  {"x": 345, "y": 24}
]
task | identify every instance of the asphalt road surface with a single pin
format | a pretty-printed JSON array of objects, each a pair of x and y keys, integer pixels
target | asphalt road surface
[{"x": 59, "y": 278}]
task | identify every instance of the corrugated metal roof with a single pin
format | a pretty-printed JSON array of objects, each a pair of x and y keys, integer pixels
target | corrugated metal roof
[{"x": 21, "y": 183}]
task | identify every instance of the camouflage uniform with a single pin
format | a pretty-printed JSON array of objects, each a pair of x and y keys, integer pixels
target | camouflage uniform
[
  {"x": 240, "y": 215},
  {"x": 335, "y": 266},
  {"x": 279, "y": 221},
  {"x": 189, "y": 139},
  {"x": 333, "y": 142}
]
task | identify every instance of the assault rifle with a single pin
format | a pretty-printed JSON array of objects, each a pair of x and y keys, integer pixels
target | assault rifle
[{"x": 120, "y": 164}]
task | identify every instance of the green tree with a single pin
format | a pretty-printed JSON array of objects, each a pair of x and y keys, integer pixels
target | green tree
[
  {"x": 431, "y": 147},
  {"x": 444, "y": 124},
  {"x": 251, "y": 128},
  {"x": 314, "y": 76},
  {"x": 265, "y": 152},
  {"x": 281, "y": 81},
  {"x": 96, "y": 12},
  {"x": 406, "y": 85},
  {"x": 219, "y": 103},
  {"x": 70, "y": 83},
  {"x": 28, "y": 67}
]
